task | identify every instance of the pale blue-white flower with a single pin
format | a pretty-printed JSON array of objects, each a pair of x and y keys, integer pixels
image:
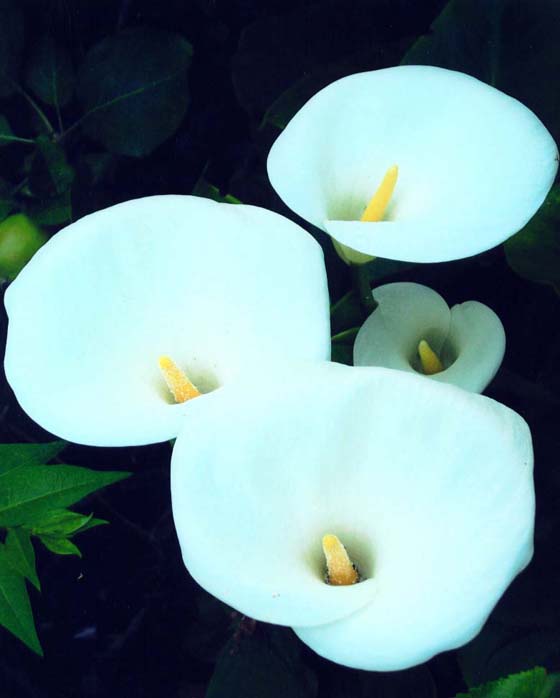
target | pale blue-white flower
[
  {"x": 457, "y": 166},
  {"x": 172, "y": 289},
  {"x": 413, "y": 329},
  {"x": 426, "y": 488}
]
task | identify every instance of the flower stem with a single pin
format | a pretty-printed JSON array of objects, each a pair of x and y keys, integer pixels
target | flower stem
[{"x": 362, "y": 288}]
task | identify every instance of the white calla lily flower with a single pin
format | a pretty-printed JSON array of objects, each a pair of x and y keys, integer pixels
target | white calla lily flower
[
  {"x": 427, "y": 486},
  {"x": 413, "y": 329},
  {"x": 456, "y": 165},
  {"x": 211, "y": 290}
]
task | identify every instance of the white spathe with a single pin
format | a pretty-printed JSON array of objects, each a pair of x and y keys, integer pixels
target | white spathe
[
  {"x": 474, "y": 163},
  {"x": 428, "y": 486},
  {"x": 469, "y": 338},
  {"x": 222, "y": 289}
]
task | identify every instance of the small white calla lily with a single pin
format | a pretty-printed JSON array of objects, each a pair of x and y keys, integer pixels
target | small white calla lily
[
  {"x": 211, "y": 289},
  {"x": 473, "y": 163},
  {"x": 413, "y": 326},
  {"x": 429, "y": 488}
]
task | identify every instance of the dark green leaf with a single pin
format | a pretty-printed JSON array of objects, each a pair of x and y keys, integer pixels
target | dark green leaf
[
  {"x": 261, "y": 662},
  {"x": 528, "y": 684},
  {"x": 346, "y": 313},
  {"x": 134, "y": 89},
  {"x": 511, "y": 44},
  {"x": 11, "y": 44},
  {"x": 534, "y": 253},
  {"x": 54, "y": 211},
  {"x": 50, "y": 172},
  {"x": 60, "y": 546},
  {"x": 499, "y": 651},
  {"x": 49, "y": 73},
  {"x": 60, "y": 522},
  {"x": 28, "y": 492},
  {"x": 6, "y": 200},
  {"x": 15, "y": 609},
  {"x": 17, "y": 455},
  {"x": 21, "y": 555}
]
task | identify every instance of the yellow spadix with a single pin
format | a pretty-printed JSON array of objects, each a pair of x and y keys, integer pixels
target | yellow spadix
[
  {"x": 430, "y": 361},
  {"x": 340, "y": 570},
  {"x": 180, "y": 386},
  {"x": 375, "y": 210}
]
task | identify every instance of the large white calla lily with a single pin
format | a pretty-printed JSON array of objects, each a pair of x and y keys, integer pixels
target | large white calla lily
[
  {"x": 429, "y": 488},
  {"x": 413, "y": 329},
  {"x": 473, "y": 164},
  {"x": 217, "y": 288}
]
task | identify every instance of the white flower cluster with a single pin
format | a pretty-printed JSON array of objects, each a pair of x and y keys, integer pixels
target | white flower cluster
[{"x": 426, "y": 484}]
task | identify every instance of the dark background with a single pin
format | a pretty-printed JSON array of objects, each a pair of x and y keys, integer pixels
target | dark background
[{"x": 127, "y": 620}]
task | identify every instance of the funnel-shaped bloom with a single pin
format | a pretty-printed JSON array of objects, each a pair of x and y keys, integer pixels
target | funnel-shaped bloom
[
  {"x": 468, "y": 339},
  {"x": 473, "y": 163},
  {"x": 220, "y": 289},
  {"x": 427, "y": 486}
]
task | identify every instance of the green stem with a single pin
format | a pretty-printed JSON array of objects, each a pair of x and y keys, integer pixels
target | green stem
[
  {"x": 361, "y": 283},
  {"x": 16, "y": 139}
]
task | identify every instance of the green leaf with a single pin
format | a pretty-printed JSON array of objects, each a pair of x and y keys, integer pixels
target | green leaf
[
  {"x": 50, "y": 172},
  {"x": 18, "y": 455},
  {"x": 534, "y": 252},
  {"x": 60, "y": 546},
  {"x": 60, "y": 522},
  {"x": 21, "y": 555},
  {"x": 134, "y": 89},
  {"x": 15, "y": 609},
  {"x": 528, "y": 684},
  {"x": 261, "y": 662},
  {"x": 6, "y": 199},
  {"x": 92, "y": 523},
  {"x": 510, "y": 44},
  {"x": 11, "y": 44},
  {"x": 500, "y": 650},
  {"x": 50, "y": 74},
  {"x": 53, "y": 211},
  {"x": 27, "y": 493}
]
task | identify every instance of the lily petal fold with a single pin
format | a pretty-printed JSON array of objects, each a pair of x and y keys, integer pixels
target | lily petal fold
[
  {"x": 222, "y": 289},
  {"x": 469, "y": 338},
  {"x": 429, "y": 488},
  {"x": 474, "y": 164}
]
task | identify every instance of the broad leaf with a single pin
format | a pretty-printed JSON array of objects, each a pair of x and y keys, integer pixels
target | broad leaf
[
  {"x": 534, "y": 252},
  {"x": 15, "y": 609},
  {"x": 510, "y": 44},
  {"x": 134, "y": 89},
  {"x": 528, "y": 684},
  {"x": 60, "y": 522},
  {"x": 21, "y": 555},
  {"x": 49, "y": 73},
  {"x": 60, "y": 546},
  {"x": 52, "y": 211},
  {"x": 17, "y": 455},
  {"x": 50, "y": 172},
  {"x": 27, "y": 493},
  {"x": 11, "y": 44}
]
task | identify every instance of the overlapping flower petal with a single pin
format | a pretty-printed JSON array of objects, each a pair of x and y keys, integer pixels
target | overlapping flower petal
[
  {"x": 221, "y": 289},
  {"x": 428, "y": 486}
]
